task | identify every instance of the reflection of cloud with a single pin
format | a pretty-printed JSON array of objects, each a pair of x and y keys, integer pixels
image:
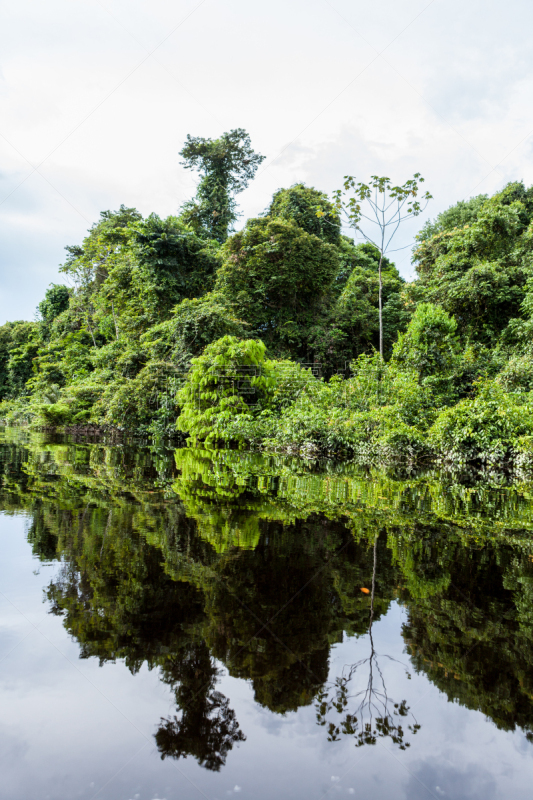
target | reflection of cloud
[
  {"x": 470, "y": 783},
  {"x": 13, "y": 748}
]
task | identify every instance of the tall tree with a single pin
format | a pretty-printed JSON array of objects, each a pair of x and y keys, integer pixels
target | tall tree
[
  {"x": 384, "y": 206},
  {"x": 226, "y": 165}
]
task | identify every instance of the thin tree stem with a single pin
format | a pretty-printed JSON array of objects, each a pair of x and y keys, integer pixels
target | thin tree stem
[
  {"x": 114, "y": 318},
  {"x": 380, "y": 306}
]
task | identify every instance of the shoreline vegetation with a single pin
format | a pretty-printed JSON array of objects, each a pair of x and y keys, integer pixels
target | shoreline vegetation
[{"x": 268, "y": 338}]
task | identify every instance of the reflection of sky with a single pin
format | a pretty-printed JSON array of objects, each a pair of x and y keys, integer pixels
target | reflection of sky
[
  {"x": 100, "y": 96},
  {"x": 70, "y": 728}
]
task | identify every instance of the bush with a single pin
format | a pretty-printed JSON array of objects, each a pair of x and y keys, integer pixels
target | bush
[
  {"x": 53, "y": 414},
  {"x": 277, "y": 276},
  {"x": 492, "y": 427},
  {"x": 429, "y": 346},
  {"x": 221, "y": 384},
  {"x": 517, "y": 375},
  {"x": 300, "y": 204}
]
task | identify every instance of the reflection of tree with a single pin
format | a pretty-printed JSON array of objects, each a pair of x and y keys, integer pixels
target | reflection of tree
[
  {"x": 207, "y": 728},
  {"x": 375, "y": 715},
  {"x": 145, "y": 582},
  {"x": 474, "y": 639},
  {"x": 269, "y": 616},
  {"x": 275, "y": 611},
  {"x": 41, "y": 535},
  {"x": 227, "y": 506},
  {"x": 119, "y": 603}
]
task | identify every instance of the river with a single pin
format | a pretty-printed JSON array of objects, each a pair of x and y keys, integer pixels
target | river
[{"x": 179, "y": 623}]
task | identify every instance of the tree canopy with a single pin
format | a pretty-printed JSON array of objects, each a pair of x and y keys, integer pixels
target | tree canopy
[
  {"x": 115, "y": 347},
  {"x": 226, "y": 166}
]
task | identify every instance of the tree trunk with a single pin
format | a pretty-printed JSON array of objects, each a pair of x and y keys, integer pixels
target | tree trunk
[
  {"x": 114, "y": 318},
  {"x": 380, "y": 309}
]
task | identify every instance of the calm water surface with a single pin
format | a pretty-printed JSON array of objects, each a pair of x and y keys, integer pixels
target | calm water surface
[{"x": 185, "y": 624}]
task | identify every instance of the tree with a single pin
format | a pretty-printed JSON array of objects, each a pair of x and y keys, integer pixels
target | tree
[
  {"x": 226, "y": 165},
  {"x": 390, "y": 206},
  {"x": 19, "y": 344},
  {"x": 300, "y": 203},
  {"x": 277, "y": 277},
  {"x": 352, "y": 323},
  {"x": 374, "y": 715},
  {"x": 54, "y": 303},
  {"x": 429, "y": 346},
  {"x": 207, "y": 727},
  {"x": 88, "y": 268},
  {"x": 457, "y": 216},
  {"x": 173, "y": 263},
  {"x": 479, "y": 270}
]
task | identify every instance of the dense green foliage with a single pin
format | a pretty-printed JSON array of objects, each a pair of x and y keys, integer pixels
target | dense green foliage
[
  {"x": 478, "y": 272},
  {"x": 278, "y": 276},
  {"x": 153, "y": 305},
  {"x": 299, "y": 204},
  {"x": 226, "y": 166}
]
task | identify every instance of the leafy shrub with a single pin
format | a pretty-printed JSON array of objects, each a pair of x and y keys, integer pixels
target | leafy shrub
[
  {"x": 517, "y": 375},
  {"x": 146, "y": 402},
  {"x": 221, "y": 384},
  {"x": 493, "y": 426},
  {"x": 53, "y": 414},
  {"x": 192, "y": 326},
  {"x": 429, "y": 346}
]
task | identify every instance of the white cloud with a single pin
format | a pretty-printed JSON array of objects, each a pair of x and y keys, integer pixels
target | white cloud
[{"x": 102, "y": 95}]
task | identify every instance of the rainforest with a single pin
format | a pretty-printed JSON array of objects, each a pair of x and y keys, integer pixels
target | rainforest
[{"x": 288, "y": 335}]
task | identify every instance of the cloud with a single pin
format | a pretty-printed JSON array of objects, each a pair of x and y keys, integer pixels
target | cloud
[{"x": 102, "y": 97}]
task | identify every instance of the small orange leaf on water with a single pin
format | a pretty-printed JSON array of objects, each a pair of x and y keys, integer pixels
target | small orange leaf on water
[{"x": 366, "y": 591}]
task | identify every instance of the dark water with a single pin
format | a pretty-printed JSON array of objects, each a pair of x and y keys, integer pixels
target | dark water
[{"x": 203, "y": 625}]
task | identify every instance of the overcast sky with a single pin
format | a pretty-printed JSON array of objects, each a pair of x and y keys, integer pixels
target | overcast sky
[{"x": 98, "y": 96}]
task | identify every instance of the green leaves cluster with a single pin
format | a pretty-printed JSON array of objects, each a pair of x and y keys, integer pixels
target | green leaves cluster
[
  {"x": 226, "y": 165},
  {"x": 161, "y": 318}
]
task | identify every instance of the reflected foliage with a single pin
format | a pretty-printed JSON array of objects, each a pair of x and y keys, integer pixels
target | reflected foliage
[
  {"x": 198, "y": 563},
  {"x": 207, "y": 727}
]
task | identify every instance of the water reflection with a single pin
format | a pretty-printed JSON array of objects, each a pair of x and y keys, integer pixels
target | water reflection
[
  {"x": 369, "y": 713},
  {"x": 207, "y": 727},
  {"x": 190, "y": 561}
]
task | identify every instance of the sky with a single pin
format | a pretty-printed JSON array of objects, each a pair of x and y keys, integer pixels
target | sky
[{"x": 98, "y": 96}]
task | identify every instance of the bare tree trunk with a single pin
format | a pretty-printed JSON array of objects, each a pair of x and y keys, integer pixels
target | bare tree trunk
[
  {"x": 91, "y": 330},
  {"x": 114, "y": 318},
  {"x": 380, "y": 308},
  {"x": 373, "y": 585}
]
